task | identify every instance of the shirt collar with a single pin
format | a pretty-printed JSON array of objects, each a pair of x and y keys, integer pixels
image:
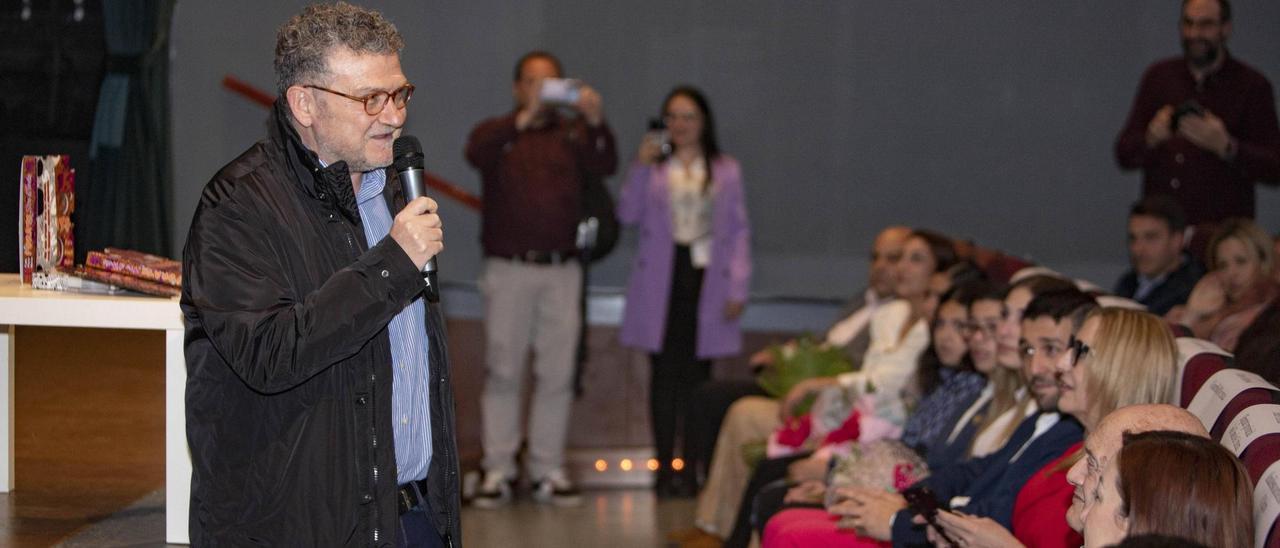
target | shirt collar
[{"x": 371, "y": 183}]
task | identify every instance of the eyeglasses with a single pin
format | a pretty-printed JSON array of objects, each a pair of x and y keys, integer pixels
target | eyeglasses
[
  {"x": 958, "y": 325},
  {"x": 375, "y": 102},
  {"x": 1050, "y": 351},
  {"x": 987, "y": 328},
  {"x": 1078, "y": 350}
]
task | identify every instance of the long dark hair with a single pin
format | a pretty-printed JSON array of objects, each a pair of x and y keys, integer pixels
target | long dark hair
[
  {"x": 710, "y": 146},
  {"x": 929, "y": 367},
  {"x": 943, "y": 251}
]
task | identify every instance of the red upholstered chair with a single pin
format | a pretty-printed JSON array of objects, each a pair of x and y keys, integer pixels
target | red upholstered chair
[
  {"x": 1254, "y": 438},
  {"x": 1258, "y": 457}
]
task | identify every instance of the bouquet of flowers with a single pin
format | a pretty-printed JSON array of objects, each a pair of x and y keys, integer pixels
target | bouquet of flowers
[
  {"x": 840, "y": 418},
  {"x": 805, "y": 359}
]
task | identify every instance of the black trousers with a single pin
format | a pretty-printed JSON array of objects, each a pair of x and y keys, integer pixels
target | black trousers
[
  {"x": 767, "y": 472},
  {"x": 767, "y": 503},
  {"x": 676, "y": 370}
]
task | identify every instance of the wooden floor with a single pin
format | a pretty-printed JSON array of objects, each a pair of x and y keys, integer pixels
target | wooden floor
[{"x": 89, "y": 433}]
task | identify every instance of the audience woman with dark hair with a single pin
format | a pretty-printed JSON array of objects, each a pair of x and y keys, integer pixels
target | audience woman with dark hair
[
  {"x": 1171, "y": 483},
  {"x": 692, "y": 270},
  {"x": 946, "y": 377},
  {"x": 899, "y": 334}
]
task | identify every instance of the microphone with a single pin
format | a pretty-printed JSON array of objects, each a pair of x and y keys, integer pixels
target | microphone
[{"x": 408, "y": 164}]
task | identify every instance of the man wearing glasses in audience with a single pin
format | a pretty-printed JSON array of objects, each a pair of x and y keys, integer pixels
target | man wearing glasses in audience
[{"x": 303, "y": 287}]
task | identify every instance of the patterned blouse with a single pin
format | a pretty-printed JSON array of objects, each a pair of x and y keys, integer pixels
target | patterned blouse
[{"x": 938, "y": 411}]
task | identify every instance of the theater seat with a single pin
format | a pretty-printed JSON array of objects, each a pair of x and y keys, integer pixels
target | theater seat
[
  {"x": 1238, "y": 408},
  {"x": 1260, "y": 454}
]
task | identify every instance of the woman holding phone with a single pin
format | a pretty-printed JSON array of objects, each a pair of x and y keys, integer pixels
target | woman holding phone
[{"x": 692, "y": 269}]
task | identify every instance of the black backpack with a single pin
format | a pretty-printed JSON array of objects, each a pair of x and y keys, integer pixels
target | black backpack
[{"x": 598, "y": 228}]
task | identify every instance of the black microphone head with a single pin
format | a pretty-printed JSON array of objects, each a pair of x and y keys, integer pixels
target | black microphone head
[{"x": 407, "y": 153}]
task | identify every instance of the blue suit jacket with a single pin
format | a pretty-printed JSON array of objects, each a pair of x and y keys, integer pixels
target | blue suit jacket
[
  {"x": 945, "y": 454},
  {"x": 992, "y": 482}
]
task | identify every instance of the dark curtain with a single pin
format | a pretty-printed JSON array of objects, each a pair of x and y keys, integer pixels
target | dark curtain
[{"x": 128, "y": 201}]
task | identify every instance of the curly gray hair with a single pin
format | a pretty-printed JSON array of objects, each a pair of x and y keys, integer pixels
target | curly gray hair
[{"x": 303, "y": 43}]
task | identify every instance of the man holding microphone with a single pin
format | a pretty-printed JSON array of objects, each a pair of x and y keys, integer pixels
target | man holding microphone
[{"x": 318, "y": 402}]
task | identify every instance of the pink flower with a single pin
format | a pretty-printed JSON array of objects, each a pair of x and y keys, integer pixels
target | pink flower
[
  {"x": 795, "y": 432},
  {"x": 904, "y": 476},
  {"x": 849, "y": 430}
]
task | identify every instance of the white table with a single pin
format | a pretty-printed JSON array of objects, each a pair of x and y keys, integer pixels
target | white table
[{"x": 22, "y": 305}]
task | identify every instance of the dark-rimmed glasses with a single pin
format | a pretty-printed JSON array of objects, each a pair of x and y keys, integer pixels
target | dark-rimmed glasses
[
  {"x": 1078, "y": 350},
  {"x": 987, "y": 328},
  {"x": 375, "y": 102},
  {"x": 1051, "y": 350}
]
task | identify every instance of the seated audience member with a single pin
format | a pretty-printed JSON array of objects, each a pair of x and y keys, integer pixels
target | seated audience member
[
  {"x": 899, "y": 334},
  {"x": 988, "y": 424},
  {"x": 946, "y": 378},
  {"x": 1258, "y": 349},
  {"x": 1171, "y": 483},
  {"x": 1118, "y": 358},
  {"x": 711, "y": 401},
  {"x": 1231, "y": 296},
  {"x": 1099, "y": 448},
  {"x": 1162, "y": 274},
  {"x": 982, "y": 487}
]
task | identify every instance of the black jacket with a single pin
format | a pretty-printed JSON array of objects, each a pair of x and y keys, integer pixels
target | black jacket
[
  {"x": 288, "y": 397},
  {"x": 1173, "y": 291}
]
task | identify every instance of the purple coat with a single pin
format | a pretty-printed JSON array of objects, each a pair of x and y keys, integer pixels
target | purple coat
[{"x": 646, "y": 201}]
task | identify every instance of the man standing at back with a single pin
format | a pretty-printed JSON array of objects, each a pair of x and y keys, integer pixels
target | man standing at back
[
  {"x": 533, "y": 163},
  {"x": 318, "y": 403},
  {"x": 1203, "y": 125}
]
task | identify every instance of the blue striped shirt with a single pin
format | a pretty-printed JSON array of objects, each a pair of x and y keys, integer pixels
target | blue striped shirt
[{"x": 411, "y": 412}]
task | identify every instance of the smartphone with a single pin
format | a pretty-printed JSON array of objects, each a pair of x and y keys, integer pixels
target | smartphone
[
  {"x": 658, "y": 133},
  {"x": 1190, "y": 106},
  {"x": 560, "y": 91},
  {"x": 922, "y": 501}
]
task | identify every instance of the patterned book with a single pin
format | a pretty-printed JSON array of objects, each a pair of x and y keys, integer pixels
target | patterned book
[
  {"x": 137, "y": 264},
  {"x": 128, "y": 282},
  {"x": 46, "y": 200}
]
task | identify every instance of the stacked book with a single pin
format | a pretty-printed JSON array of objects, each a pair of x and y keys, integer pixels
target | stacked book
[{"x": 134, "y": 270}]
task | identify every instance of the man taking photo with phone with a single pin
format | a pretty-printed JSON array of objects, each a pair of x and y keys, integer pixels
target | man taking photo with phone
[{"x": 533, "y": 163}]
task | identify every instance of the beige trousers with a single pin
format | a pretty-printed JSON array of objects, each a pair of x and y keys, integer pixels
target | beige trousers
[
  {"x": 750, "y": 419},
  {"x": 528, "y": 305}
]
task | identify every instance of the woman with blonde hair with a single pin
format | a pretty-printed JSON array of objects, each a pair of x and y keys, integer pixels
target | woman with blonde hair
[
  {"x": 1227, "y": 299},
  {"x": 1140, "y": 358}
]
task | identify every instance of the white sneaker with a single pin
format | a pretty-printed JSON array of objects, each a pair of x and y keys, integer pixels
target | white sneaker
[
  {"x": 556, "y": 489},
  {"x": 495, "y": 492}
]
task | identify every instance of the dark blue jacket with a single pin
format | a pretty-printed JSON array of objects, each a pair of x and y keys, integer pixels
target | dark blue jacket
[{"x": 992, "y": 482}]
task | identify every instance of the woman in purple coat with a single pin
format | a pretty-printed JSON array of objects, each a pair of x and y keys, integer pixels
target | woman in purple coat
[{"x": 691, "y": 273}]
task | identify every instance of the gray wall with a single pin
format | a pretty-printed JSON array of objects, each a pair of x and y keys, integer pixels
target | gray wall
[{"x": 987, "y": 119}]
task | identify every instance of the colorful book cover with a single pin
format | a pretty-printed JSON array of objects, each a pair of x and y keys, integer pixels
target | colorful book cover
[
  {"x": 46, "y": 200},
  {"x": 128, "y": 282},
  {"x": 137, "y": 264}
]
